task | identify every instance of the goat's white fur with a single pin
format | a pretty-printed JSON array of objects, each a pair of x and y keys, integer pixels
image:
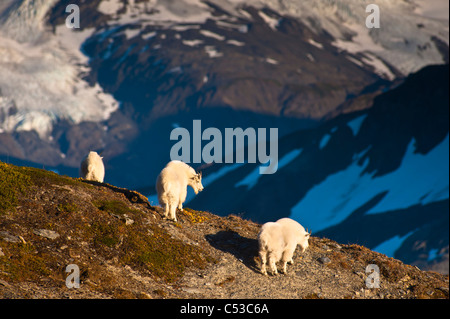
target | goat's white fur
[
  {"x": 278, "y": 241},
  {"x": 92, "y": 167},
  {"x": 171, "y": 186}
]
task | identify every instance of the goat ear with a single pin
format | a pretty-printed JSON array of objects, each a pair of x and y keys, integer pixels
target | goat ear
[{"x": 199, "y": 174}]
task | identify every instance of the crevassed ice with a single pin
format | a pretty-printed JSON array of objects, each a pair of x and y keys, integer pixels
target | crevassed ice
[{"x": 40, "y": 75}]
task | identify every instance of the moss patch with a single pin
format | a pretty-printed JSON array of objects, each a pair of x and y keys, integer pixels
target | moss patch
[
  {"x": 194, "y": 216},
  {"x": 144, "y": 247},
  {"x": 161, "y": 255},
  {"x": 68, "y": 207},
  {"x": 106, "y": 234},
  {"x": 115, "y": 207},
  {"x": 12, "y": 184},
  {"x": 16, "y": 180},
  {"x": 42, "y": 177},
  {"x": 22, "y": 262}
]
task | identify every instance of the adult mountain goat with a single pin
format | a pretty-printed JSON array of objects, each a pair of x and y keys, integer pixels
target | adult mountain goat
[
  {"x": 92, "y": 168},
  {"x": 171, "y": 186},
  {"x": 278, "y": 240}
]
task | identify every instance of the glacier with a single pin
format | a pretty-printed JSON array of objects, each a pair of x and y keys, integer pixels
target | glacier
[{"x": 41, "y": 73}]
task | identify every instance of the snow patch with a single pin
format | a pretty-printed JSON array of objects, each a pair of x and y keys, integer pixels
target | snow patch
[
  {"x": 316, "y": 44},
  {"x": 271, "y": 22},
  {"x": 420, "y": 179},
  {"x": 434, "y": 9},
  {"x": 356, "y": 123},
  {"x": 42, "y": 79},
  {"x": 390, "y": 246},
  {"x": 236, "y": 43},
  {"x": 207, "y": 180},
  {"x": 433, "y": 254},
  {"x": 149, "y": 35},
  {"x": 310, "y": 57},
  {"x": 153, "y": 199},
  {"x": 379, "y": 66},
  {"x": 271, "y": 61},
  {"x": 213, "y": 35},
  {"x": 192, "y": 43},
  {"x": 131, "y": 33},
  {"x": 109, "y": 7},
  {"x": 177, "y": 69},
  {"x": 324, "y": 141},
  {"x": 25, "y": 22},
  {"x": 340, "y": 19},
  {"x": 212, "y": 52},
  {"x": 232, "y": 26}
]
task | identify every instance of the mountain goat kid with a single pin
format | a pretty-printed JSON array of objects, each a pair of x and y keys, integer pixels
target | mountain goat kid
[
  {"x": 92, "y": 168},
  {"x": 278, "y": 240},
  {"x": 171, "y": 186}
]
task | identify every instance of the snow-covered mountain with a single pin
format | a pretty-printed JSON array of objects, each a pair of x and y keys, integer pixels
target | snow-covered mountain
[{"x": 409, "y": 38}]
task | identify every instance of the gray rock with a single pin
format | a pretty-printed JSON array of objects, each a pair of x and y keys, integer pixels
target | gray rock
[
  {"x": 324, "y": 260},
  {"x": 6, "y": 236},
  {"x": 50, "y": 234},
  {"x": 192, "y": 290}
]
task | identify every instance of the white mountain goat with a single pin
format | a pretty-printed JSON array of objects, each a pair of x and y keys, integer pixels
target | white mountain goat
[
  {"x": 278, "y": 240},
  {"x": 171, "y": 186},
  {"x": 92, "y": 168}
]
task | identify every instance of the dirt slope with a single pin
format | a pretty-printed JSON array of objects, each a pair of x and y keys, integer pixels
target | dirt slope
[{"x": 125, "y": 249}]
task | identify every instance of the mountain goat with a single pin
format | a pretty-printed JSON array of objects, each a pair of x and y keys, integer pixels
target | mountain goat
[
  {"x": 278, "y": 240},
  {"x": 92, "y": 168},
  {"x": 171, "y": 186}
]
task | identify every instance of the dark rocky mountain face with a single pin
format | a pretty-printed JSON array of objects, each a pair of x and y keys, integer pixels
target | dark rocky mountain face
[
  {"x": 416, "y": 109},
  {"x": 397, "y": 139}
]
